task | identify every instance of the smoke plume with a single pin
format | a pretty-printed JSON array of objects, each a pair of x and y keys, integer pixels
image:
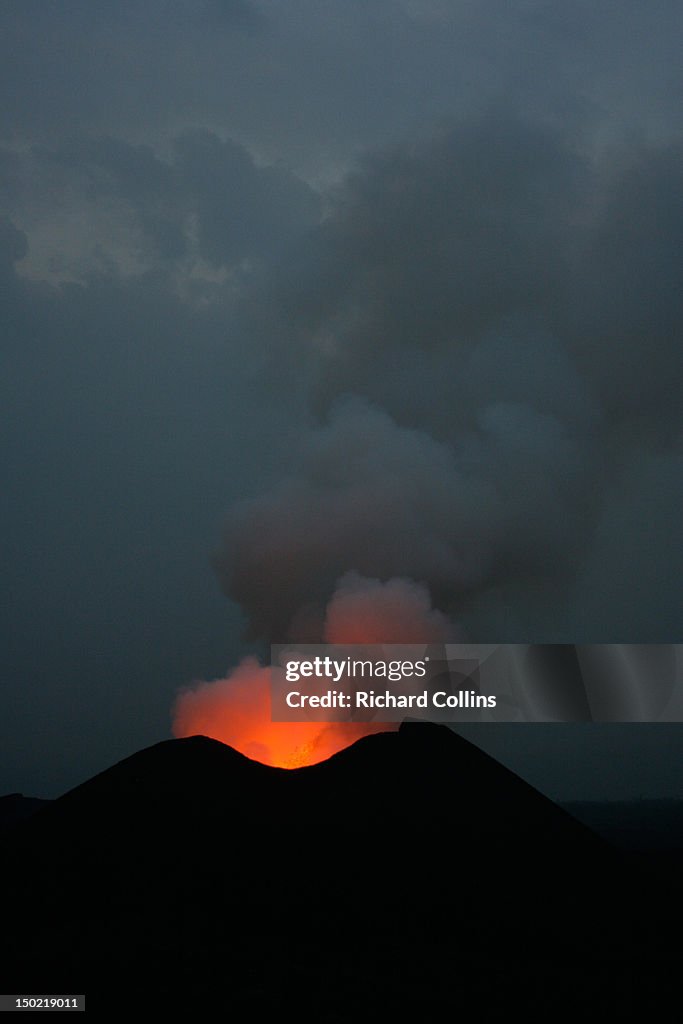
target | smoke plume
[
  {"x": 484, "y": 330},
  {"x": 236, "y": 710}
]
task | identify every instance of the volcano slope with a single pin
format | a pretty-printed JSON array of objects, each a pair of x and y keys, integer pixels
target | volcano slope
[{"x": 408, "y": 868}]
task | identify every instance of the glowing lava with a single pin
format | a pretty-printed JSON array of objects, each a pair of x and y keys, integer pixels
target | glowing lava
[{"x": 236, "y": 711}]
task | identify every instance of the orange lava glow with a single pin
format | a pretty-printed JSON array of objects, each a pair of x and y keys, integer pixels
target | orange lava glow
[{"x": 236, "y": 711}]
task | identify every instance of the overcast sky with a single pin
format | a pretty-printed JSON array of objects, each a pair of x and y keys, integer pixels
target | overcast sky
[{"x": 291, "y": 290}]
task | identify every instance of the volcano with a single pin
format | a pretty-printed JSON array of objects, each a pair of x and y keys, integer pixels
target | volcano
[{"x": 406, "y": 864}]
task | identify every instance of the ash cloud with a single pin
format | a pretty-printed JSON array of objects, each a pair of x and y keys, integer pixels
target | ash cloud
[
  {"x": 398, "y": 611},
  {"x": 383, "y": 500},
  {"x": 485, "y": 328}
]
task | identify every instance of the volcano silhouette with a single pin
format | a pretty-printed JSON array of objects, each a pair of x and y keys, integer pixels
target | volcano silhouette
[{"x": 408, "y": 863}]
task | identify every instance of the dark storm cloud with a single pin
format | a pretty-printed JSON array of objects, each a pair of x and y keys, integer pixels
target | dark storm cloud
[
  {"x": 511, "y": 305},
  {"x": 629, "y": 303},
  {"x": 430, "y": 246},
  {"x": 504, "y": 235},
  {"x": 228, "y": 14},
  {"x": 241, "y": 209},
  {"x": 208, "y": 200},
  {"x": 127, "y": 66},
  {"x": 13, "y": 246},
  {"x": 315, "y": 82}
]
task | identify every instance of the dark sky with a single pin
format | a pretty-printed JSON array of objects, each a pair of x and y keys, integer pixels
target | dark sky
[{"x": 291, "y": 290}]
